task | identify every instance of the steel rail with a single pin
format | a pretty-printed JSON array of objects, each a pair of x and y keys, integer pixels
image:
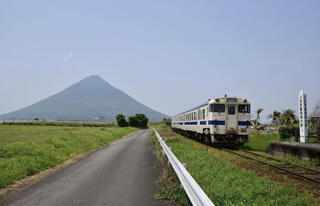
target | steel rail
[
  {"x": 196, "y": 195},
  {"x": 260, "y": 155},
  {"x": 274, "y": 166}
]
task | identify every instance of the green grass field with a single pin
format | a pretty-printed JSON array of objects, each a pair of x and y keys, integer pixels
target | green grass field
[
  {"x": 260, "y": 142},
  {"x": 26, "y": 150},
  {"x": 224, "y": 183}
]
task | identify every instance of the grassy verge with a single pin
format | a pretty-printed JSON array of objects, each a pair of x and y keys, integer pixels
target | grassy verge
[
  {"x": 226, "y": 184},
  {"x": 260, "y": 142},
  {"x": 169, "y": 183},
  {"x": 26, "y": 150}
]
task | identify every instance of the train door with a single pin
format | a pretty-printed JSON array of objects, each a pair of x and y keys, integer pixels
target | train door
[{"x": 231, "y": 120}]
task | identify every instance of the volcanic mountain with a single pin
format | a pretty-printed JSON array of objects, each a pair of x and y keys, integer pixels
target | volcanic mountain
[{"x": 88, "y": 100}]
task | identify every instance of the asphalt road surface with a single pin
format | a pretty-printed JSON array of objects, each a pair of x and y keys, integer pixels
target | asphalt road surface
[{"x": 122, "y": 173}]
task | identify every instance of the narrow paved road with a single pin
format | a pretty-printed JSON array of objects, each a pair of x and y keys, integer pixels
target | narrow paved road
[{"x": 122, "y": 173}]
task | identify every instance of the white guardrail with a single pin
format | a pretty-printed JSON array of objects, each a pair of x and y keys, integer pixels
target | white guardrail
[{"x": 193, "y": 190}]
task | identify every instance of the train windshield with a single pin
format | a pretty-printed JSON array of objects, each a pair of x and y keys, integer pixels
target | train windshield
[
  {"x": 244, "y": 108},
  {"x": 217, "y": 108}
]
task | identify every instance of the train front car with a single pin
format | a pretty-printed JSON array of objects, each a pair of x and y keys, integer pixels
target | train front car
[
  {"x": 229, "y": 120},
  {"x": 220, "y": 121}
]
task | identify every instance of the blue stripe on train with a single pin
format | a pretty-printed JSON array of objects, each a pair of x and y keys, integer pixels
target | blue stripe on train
[
  {"x": 244, "y": 123},
  {"x": 211, "y": 122},
  {"x": 190, "y": 123},
  {"x": 203, "y": 122}
]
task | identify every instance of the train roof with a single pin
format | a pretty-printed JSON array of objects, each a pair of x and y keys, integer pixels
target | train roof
[{"x": 223, "y": 100}]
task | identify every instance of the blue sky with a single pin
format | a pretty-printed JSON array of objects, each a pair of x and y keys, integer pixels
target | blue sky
[{"x": 169, "y": 55}]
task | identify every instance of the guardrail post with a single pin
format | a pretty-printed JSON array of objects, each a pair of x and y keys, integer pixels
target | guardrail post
[
  {"x": 168, "y": 158},
  {"x": 185, "y": 165}
]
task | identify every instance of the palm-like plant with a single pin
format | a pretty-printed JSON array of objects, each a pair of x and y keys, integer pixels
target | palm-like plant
[
  {"x": 259, "y": 110},
  {"x": 287, "y": 117},
  {"x": 275, "y": 117}
]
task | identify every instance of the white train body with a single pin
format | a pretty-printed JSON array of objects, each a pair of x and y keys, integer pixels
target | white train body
[{"x": 221, "y": 120}]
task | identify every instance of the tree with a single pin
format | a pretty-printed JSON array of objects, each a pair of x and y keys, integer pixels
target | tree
[
  {"x": 275, "y": 118},
  {"x": 314, "y": 124},
  {"x": 287, "y": 117},
  {"x": 259, "y": 110},
  {"x": 287, "y": 131},
  {"x": 139, "y": 120},
  {"x": 167, "y": 122},
  {"x": 121, "y": 120}
]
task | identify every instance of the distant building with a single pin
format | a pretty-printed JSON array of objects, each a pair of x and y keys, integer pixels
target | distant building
[
  {"x": 315, "y": 123},
  {"x": 303, "y": 117}
]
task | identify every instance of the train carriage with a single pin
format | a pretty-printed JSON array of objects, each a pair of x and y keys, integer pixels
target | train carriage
[{"x": 218, "y": 121}]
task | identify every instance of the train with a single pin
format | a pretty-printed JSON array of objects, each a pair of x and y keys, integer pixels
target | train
[{"x": 219, "y": 121}]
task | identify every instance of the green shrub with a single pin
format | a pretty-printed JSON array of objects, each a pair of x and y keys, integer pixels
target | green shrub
[
  {"x": 167, "y": 122},
  {"x": 121, "y": 120},
  {"x": 139, "y": 120},
  {"x": 287, "y": 131}
]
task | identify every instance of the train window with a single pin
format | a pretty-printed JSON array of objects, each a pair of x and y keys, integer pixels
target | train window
[
  {"x": 231, "y": 110},
  {"x": 244, "y": 108},
  {"x": 217, "y": 108},
  {"x": 195, "y": 115},
  {"x": 203, "y": 114}
]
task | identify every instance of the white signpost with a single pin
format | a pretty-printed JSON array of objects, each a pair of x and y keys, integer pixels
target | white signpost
[{"x": 303, "y": 117}]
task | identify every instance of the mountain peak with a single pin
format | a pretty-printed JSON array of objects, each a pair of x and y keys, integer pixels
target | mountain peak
[
  {"x": 88, "y": 99},
  {"x": 92, "y": 82},
  {"x": 93, "y": 77}
]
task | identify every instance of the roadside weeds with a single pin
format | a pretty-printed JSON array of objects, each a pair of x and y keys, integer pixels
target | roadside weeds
[{"x": 170, "y": 188}]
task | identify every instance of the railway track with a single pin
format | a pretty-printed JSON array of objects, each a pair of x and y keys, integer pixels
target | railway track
[{"x": 301, "y": 172}]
